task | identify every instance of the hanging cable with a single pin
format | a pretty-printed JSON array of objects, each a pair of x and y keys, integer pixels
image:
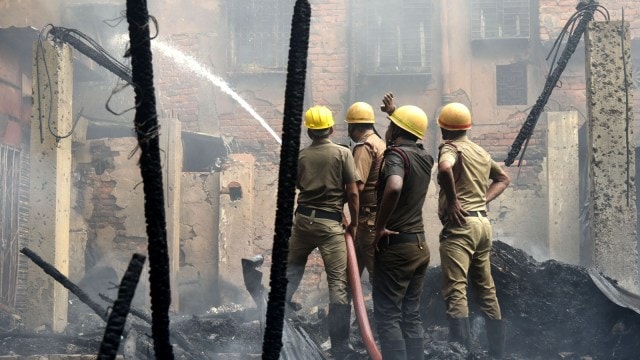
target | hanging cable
[
  {"x": 583, "y": 16},
  {"x": 293, "y": 106},
  {"x": 91, "y": 49},
  {"x": 146, "y": 127},
  {"x": 86, "y": 46}
]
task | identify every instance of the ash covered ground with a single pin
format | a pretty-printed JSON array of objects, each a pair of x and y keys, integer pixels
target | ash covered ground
[{"x": 552, "y": 310}]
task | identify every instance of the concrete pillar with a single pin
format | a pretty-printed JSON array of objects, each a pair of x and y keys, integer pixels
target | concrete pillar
[
  {"x": 457, "y": 44},
  {"x": 611, "y": 188},
  {"x": 50, "y": 188},
  {"x": 171, "y": 146},
  {"x": 200, "y": 209},
  {"x": 562, "y": 173},
  {"x": 236, "y": 227}
]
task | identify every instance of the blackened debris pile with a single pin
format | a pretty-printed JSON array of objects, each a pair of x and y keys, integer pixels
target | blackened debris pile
[{"x": 550, "y": 308}]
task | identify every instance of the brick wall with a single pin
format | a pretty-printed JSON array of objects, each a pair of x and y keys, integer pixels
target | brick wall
[
  {"x": 498, "y": 144},
  {"x": 555, "y": 13},
  {"x": 178, "y": 89}
]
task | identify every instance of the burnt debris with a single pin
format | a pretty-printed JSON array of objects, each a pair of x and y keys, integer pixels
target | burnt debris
[
  {"x": 550, "y": 308},
  {"x": 553, "y": 310}
]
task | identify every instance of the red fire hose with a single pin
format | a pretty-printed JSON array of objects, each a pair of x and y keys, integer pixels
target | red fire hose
[{"x": 358, "y": 300}]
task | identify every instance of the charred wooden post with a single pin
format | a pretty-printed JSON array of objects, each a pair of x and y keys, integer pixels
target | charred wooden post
[
  {"x": 293, "y": 106},
  {"x": 118, "y": 317},
  {"x": 146, "y": 126}
]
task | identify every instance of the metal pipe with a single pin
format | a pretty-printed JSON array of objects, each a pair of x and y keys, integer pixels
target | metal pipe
[{"x": 358, "y": 300}]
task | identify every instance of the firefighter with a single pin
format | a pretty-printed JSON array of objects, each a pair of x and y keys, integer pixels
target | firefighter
[
  {"x": 402, "y": 256},
  {"x": 464, "y": 171},
  {"x": 367, "y": 155},
  {"x": 326, "y": 172}
]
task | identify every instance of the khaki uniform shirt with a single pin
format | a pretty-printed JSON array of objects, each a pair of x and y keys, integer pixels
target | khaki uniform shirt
[
  {"x": 472, "y": 178},
  {"x": 324, "y": 169},
  {"x": 368, "y": 155}
]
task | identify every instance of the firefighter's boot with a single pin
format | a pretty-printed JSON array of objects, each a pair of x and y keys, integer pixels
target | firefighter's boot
[
  {"x": 393, "y": 350},
  {"x": 415, "y": 348},
  {"x": 496, "y": 337},
  {"x": 460, "y": 332},
  {"x": 339, "y": 323}
]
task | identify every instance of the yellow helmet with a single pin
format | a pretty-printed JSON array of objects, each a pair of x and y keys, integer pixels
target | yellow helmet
[
  {"x": 454, "y": 116},
  {"x": 360, "y": 113},
  {"x": 318, "y": 118},
  {"x": 410, "y": 118}
]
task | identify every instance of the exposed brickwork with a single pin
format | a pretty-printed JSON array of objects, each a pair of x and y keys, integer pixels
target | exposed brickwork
[
  {"x": 102, "y": 197},
  {"x": 499, "y": 143},
  {"x": 96, "y": 176},
  {"x": 178, "y": 90},
  {"x": 555, "y": 13},
  {"x": 249, "y": 135}
]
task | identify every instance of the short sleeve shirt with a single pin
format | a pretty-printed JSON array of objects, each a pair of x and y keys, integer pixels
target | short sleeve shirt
[
  {"x": 407, "y": 215},
  {"x": 324, "y": 169},
  {"x": 368, "y": 158},
  {"x": 472, "y": 175}
]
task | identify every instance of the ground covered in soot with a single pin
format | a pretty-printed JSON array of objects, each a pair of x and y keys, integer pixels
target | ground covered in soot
[{"x": 552, "y": 310}]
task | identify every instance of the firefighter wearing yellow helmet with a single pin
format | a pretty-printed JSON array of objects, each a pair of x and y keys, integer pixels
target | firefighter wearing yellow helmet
[
  {"x": 402, "y": 256},
  {"x": 326, "y": 175},
  {"x": 367, "y": 155},
  {"x": 469, "y": 179}
]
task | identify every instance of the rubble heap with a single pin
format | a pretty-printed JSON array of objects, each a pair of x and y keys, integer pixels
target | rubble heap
[{"x": 553, "y": 310}]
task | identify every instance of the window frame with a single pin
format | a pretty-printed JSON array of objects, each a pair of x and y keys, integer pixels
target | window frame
[
  {"x": 502, "y": 14},
  {"x": 364, "y": 10},
  {"x": 272, "y": 49}
]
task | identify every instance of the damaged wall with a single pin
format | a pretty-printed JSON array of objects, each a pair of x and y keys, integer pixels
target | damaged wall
[
  {"x": 198, "y": 277},
  {"x": 111, "y": 203},
  {"x": 108, "y": 215}
]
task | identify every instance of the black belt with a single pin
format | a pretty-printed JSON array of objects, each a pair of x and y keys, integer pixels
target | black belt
[
  {"x": 402, "y": 238},
  {"x": 319, "y": 213},
  {"x": 477, "y": 213}
]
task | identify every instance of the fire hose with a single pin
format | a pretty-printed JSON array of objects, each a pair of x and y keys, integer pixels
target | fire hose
[{"x": 358, "y": 300}]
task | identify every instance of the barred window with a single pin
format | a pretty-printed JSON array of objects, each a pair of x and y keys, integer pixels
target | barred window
[
  {"x": 511, "y": 84},
  {"x": 393, "y": 37},
  {"x": 259, "y": 34},
  {"x": 500, "y": 19}
]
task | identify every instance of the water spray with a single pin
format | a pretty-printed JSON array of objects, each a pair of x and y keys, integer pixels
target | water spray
[{"x": 191, "y": 64}]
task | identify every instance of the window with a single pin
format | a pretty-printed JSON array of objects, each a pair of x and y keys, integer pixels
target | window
[
  {"x": 14, "y": 217},
  {"x": 393, "y": 36},
  {"x": 500, "y": 19},
  {"x": 259, "y": 34},
  {"x": 511, "y": 84}
]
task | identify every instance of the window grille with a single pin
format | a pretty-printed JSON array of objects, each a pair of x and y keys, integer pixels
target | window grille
[
  {"x": 393, "y": 37},
  {"x": 511, "y": 84},
  {"x": 259, "y": 34},
  {"x": 500, "y": 19},
  {"x": 14, "y": 217}
]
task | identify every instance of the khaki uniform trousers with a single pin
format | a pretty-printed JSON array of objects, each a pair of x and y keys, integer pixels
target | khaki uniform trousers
[
  {"x": 397, "y": 288},
  {"x": 365, "y": 240},
  {"x": 327, "y": 235},
  {"x": 464, "y": 254}
]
